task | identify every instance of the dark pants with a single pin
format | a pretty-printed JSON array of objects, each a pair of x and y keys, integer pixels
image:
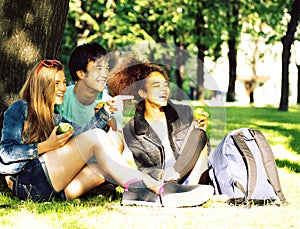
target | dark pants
[
  {"x": 190, "y": 153},
  {"x": 31, "y": 183}
]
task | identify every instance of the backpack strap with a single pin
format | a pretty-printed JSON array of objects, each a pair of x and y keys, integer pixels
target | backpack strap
[
  {"x": 213, "y": 180},
  {"x": 269, "y": 163},
  {"x": 238, "y": 139}
]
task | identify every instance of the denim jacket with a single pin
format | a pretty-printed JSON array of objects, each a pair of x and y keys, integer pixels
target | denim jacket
[
  {"x": 14, "y": 153},
  {"x": 145, "y": 145}
]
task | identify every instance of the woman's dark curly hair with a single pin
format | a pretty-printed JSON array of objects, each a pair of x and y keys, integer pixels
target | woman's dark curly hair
[{"x": 129, "y": 76}]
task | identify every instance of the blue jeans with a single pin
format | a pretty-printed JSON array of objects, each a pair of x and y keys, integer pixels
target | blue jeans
[{"x": 31, "y": 183}]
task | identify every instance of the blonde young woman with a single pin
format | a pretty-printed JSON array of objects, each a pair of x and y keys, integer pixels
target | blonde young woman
[{"x": 39, "y": 164}]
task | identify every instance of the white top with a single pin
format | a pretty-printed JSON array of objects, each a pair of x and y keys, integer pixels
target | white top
[{"x": 161, "y": 129}]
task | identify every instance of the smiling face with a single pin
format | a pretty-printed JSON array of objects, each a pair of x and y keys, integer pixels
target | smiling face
[
  {"x": 60, "y": 87},
  {"x": 96, "y": 75},
  {"x": 157, "y": 90}
]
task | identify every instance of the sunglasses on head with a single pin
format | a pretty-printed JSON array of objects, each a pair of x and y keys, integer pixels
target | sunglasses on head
[{"x": 47, "y": 64}]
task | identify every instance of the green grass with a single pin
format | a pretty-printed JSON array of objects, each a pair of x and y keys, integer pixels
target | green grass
[{"x": 282, "y": 130}]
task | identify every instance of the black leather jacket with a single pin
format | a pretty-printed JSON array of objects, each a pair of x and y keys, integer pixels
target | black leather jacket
[{"x": 147, "y": 149}]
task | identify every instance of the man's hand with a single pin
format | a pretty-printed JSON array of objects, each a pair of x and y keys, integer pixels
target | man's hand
[{"x": 116, "y": 103}]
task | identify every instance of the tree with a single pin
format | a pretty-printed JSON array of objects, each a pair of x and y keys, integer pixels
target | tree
[
  {"x": 287, "y": 41},
  {"x": 234, "y": 29},
  {"x": 30, "y": 30},
  {"x": 200, "y": 31},
  {"x": 298, "y": 93}
]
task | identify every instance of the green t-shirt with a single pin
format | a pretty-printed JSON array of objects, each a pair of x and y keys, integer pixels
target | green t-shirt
[{"x": 75, "y": 111}]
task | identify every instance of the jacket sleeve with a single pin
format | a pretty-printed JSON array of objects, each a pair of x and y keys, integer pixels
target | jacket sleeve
[
  {"x": 99, "y": 120},
  {"x": 12, "y": 148}
]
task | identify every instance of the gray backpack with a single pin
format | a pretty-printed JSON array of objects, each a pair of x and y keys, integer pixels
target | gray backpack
[{"x": 243, "y": 167}]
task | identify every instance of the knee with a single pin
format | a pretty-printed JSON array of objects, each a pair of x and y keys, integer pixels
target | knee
[
  {"x": 200, "y": 134},
  {"x": 96, "y": 131},
  {"x": 95, "y": 134}
]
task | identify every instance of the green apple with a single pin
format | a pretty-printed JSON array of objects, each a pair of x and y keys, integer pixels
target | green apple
[
  {"x": 64, "y": 127},
  {"x": 198, "y": 113},
  {"x": 100, "y": 104}
]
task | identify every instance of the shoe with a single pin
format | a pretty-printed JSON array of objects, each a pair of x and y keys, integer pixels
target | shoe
[
  {"x": 176, "y": 195},
  {"x": 138, "y": 194},
  {"x": 143, "y": 197}
]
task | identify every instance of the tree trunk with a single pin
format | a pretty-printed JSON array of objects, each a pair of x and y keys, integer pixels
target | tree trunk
[
  {"x": 232, "y": 53},
  {"x": 30, "y": 30},
  {"x": 298, "y": 88},
  {"x": 287, "y": 41},
  {"x": 179, "y": 63},
  {"x": 286, "y": 53},
  {"x": 200, "y": 34}
]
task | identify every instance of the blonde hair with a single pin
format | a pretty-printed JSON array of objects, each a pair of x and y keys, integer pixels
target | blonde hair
[{"x": 38, "y": 90}]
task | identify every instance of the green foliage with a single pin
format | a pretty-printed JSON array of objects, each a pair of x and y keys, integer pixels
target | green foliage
[
  {"x": 268, "y": 20},
  {"x": 118, "y": 25}
]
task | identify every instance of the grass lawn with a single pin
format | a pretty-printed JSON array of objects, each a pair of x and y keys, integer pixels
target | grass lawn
[{"x": 282, "y": 130}]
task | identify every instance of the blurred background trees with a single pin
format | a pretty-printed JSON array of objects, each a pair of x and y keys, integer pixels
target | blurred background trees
[{"x": 209, "y": 30}]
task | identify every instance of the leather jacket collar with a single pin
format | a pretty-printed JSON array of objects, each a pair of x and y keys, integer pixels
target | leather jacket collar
[{"x": 141, "y": 126}]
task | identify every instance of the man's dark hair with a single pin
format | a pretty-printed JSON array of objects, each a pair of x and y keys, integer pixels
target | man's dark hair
[{"x": 81, "y": 55}]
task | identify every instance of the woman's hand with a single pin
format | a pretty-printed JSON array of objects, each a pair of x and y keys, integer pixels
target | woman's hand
[
  {"x": 170, "y": 174},
  {"x": 112, "y": 123},
  {"x": 54, "y": 141},
  {"x": 202, "y": 121}
]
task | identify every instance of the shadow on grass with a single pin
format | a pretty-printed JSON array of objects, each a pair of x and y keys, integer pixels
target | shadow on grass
[
  {"x": 279, "y": 121},
  {"x": 7, "y": 201},
  {"x": 295, "y": 135},
  {"x": 292, "y": 166}
]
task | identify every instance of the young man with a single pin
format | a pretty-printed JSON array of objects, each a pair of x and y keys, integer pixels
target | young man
[{"x": 89, "y": 69}]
